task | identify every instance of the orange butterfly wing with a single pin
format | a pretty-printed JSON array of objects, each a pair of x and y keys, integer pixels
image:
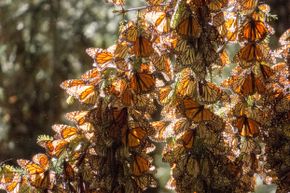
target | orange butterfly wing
[
  {"x": 195, "y": 111},
  {"x": 140, "y": 165},
  {"x": 142, "y": 47},
  {"x": 188, "y": 138},
  {"x": 39, "y": 175},
  {"x": 247, "y": 127},
  {"x": 254, "y": 31},
  {"x": 142, "y": 82},
  {"x": 252, "y": 52},
  {"x": 248, "y": 84},
  {"x": 208, "y": 92},
  {"x": 216, "y": 5},
  {"x": 266, "y": 71},
  {"x": 133, "y": 137},
  {"x": 100, "y": 56},
  {"x": 65, "y": 131},
  {"x": 189, "y": 27},
  {"x": 247, "y": 5}
]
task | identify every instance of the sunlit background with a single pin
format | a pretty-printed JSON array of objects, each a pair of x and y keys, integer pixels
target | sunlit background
[{"x": 42, "y": 43}]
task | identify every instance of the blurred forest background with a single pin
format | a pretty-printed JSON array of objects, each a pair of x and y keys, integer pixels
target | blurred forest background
[{"x": 42, "y": 43}]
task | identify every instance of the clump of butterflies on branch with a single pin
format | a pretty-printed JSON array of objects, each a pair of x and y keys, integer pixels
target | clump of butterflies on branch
[{"x": 155, "y": 85}]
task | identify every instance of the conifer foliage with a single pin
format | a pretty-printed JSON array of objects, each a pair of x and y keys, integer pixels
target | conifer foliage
[{"x": 219, "y": 138}]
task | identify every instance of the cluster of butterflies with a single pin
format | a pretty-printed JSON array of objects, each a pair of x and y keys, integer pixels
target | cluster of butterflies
[
  {"x": 278, "y": 104},
  {"x": 164, "y": 58},
  {"x": 254, "y": 80},
  {"x": 193, "y": 131},
  {"x": 262, "y": 97}
]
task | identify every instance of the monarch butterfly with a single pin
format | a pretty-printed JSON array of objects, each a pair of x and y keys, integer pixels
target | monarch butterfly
[
  {"x": 275, "y": 93},
  {"x": 174, "y": 153},
  {"x": 247, "y": 127},
  {"x": 224, "y": 58},
  {"x": 84, "y": 93},
  {"x": 121, "y": 90},
  {"x": 281, "y": 66},
  {"x": 160, "y": 19},
  {"x": 144, "y": 181},
  {"x": 18, "y": 184},
  {"x": 261, "y": 12},
  {"x": 189, "y": 56},
  {"x": 118, "y": 86},
  {"x": 283, "y": 52},
  {"x": 53, "y": 147},
  {"x": 127, "y": 97},
  {"x": 187, "y": 138},
  {"x": 192, "y": 166},
  {"x": 101, "y": 57},
  {"x": 132, "y": 137},
  {"x": 248, "y": 84},
  {"x": 265, "y": 71},
  {"x": 217, "y": 5},
  {"x": 181, "y": 125},
  {"x": 240, "y": 108},
  {"x": 247, "y": 5},
  {"x": 188, "y": 26},
  {"x": 121, "y": 50},
  {"x": 12, "y": 180},
  {"x": 229, "y": 29},
  {"x": 140, "y": 165},
  {"x": 162, "y": 63},
  {"x": 77, "y": 117},
  {"x": 39, "y": 174},
  {"x": 201, "y": 90},
  {"x": 195, "y": 111},
  {"x": 251, "y": 53},
  {"x": 209, "y": 50},
  {"x": 208, "y": 92},
  {"x": 109, "y": 57},
  {"x": 282, "y": 72},
  {"x": 120, "y": 118},
  {"x": 160, "y": 130},
  {"x": 93, "y": 76},
  {"x": 186, "y": 166},
  {"x": 71, "y": 83},
  {"x": 129, "y": 32},
  {"x": 142, "y": 82},
  {"x": 164, "y": 95},
  {"x": 142, "y": 46},
  {"x": 254, "y": 30},
  {"x": 65, "y": 131},
  {"x": 81, "y": 89},
  {"x": 186, "y": 85}
]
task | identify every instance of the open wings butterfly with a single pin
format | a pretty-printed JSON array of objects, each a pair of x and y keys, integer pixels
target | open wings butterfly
[
  {"x": 247, "y": 127},
  {"x": 254, "y": 30},
  {"x": 195, "y": 111},
  {"x": 38, "y": 170},
  {"x": 142, "y": 81}
]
